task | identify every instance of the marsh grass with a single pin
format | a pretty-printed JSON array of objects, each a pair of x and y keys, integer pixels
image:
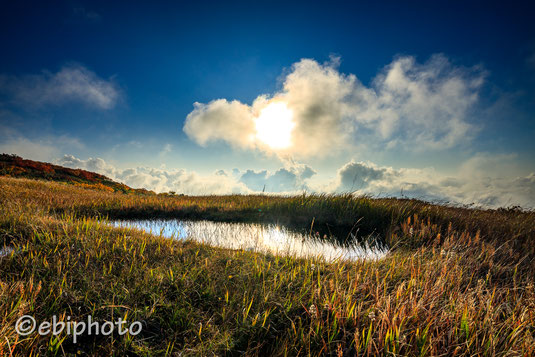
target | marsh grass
[
  {"x": 458, "y": 281},
  {"x": 263, "y": 238}
]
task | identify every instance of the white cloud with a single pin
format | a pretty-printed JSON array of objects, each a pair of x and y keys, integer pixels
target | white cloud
[
  {"x": 357, "y": 175},
  {"x": 284, "y": 180},
  {"x": 72, "y": 83},
  {"x": 483, "y": 180},
  {"x": 221, "y": 120},
  {"x": 160, "y": 180},
  {"x": 408, "y": 105},
  {"x": 426, "y": 106},
  {"x": 478, "y": 181}
]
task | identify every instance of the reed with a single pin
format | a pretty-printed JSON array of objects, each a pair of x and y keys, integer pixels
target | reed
[{"x": 458, "y": 281}]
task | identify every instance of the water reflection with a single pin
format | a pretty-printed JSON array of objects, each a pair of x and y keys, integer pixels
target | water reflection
[
  {"x": 5, "y": 251},
  {"x": 255, "y": 237}
]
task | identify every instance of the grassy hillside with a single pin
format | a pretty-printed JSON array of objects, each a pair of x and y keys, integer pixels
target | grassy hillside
[
  {"x": 15, "y": 166},
  {"x": 457, "y": 282}
]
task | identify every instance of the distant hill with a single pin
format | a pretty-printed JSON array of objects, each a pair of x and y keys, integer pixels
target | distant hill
[{"x": 16, "y": 166}]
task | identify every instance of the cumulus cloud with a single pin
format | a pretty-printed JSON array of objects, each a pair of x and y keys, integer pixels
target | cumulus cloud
[
  {"x": 483, "y": 180},
  {"x": 72, "y": 83},
  {"x": 221, "y": 120},
  {"x": 409, "y": 105},
  {"x": 160, "y": 180},
  {"x": 285, "y": 180},
  {"x": 473, "y": 183},
  {"x": 357, "y": 175},
  {"x": 480, "y": 180},
  {"x": 289, "y": 180},
  {"x": 426, "y": 105}
]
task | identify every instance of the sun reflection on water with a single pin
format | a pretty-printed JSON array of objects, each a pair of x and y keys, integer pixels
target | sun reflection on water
[{"x": 254, "y": 237}]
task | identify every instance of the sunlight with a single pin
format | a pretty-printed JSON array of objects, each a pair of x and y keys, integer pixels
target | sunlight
[{"x": 274, "y": 125}]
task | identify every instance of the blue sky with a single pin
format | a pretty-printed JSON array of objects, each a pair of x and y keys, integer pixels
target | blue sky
[{"x": 432, "y": 98}]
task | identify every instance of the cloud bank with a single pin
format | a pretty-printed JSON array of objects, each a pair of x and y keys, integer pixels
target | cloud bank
[
  {"x": 479, "y": 181},
  {"x": 284, "y": 180},
  {"x": 474, "y": 183},
  {"x": 159, "y": 180},
  {"x": 72, "y": 83},
  {"x": 408, "y": 105}
]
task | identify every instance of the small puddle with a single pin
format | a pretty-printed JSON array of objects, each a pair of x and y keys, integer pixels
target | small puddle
[{"x": 264, "y": 238}]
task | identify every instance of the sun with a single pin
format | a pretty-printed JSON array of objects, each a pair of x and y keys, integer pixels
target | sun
[{"x": 274, "y": 125}]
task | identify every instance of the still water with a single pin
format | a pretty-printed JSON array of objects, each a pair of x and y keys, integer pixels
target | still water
[
  {"x": 5, "y": 251},
  {"x": 263, "y": 238}
]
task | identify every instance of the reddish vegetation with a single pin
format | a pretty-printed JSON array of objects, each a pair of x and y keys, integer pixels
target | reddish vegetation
[{"x": 16, "y": 166}]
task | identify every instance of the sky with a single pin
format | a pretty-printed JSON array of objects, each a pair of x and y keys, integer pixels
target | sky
[{"x": 432, "y": 100}]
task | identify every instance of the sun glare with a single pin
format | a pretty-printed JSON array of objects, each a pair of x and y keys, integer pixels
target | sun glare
[{"x": 274, "y": 125}]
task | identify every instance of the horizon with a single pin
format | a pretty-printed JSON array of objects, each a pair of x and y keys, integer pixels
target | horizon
[{"x": 427, "y": 101}]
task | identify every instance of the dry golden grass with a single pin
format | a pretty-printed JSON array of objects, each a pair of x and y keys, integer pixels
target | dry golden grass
[{"x": 444, "y": 290}]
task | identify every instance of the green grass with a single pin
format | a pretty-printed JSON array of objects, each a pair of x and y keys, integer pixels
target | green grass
[{"x": 458, "y": 281}]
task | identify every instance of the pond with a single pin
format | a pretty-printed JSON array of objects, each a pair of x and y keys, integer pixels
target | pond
[{"x": 263, "y": 238}]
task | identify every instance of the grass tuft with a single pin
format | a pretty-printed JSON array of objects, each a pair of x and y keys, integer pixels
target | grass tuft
[{"x": 457, "y": 282}]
